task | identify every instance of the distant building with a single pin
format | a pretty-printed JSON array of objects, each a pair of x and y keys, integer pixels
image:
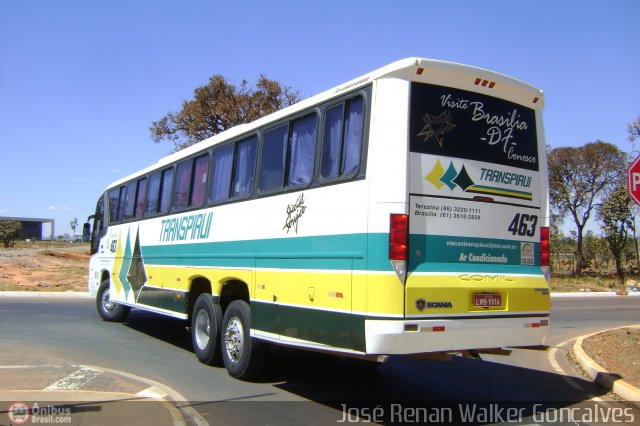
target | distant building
[{"x": 32, "y": 227}]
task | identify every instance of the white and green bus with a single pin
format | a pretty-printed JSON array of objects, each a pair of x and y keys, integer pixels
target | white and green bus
[{"x": 403, "y": 212}]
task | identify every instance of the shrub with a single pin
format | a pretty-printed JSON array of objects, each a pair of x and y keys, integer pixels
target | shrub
[{"x": 9, "y": 232}]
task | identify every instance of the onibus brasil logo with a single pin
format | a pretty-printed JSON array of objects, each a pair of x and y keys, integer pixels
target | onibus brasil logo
[{"x": 452, "y": 178}]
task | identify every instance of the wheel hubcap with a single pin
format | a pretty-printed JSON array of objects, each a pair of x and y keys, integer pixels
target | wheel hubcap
[
  {"x": 234, "y": 339},
  {"x": 107, "y": 304},
  {"x": 203, "y": 329}
]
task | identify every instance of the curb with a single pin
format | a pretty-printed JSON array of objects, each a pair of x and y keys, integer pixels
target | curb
[
  {"x": 602, "y": 377},
  {"x": 130, "y": 387},
  {"x": 585, "y": 294},
  {"x": 54, "y": 294}
]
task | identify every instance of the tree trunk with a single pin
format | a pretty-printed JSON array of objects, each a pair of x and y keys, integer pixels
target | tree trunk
[
  {"x": 579, "y": 255},
  {"x": 635, "y": 244},
  {"x": 619, "y": 269}
]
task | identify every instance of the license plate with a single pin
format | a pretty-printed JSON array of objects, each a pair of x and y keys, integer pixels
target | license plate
[{"x": 486, "y": 300}]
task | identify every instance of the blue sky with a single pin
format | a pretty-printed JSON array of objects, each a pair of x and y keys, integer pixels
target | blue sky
[{"x": 82, "y": 81}]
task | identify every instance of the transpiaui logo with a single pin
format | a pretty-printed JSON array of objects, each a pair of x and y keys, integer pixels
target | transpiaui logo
[{"x": 454, "y": 178}]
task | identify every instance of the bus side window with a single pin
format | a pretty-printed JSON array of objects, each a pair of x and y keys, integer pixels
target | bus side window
[
  {"x": 153, "y": 194},
  {"x": 342, "y": 142},
  {"x": 140, "y": 197},
  {"x": 165, "y": 190},
  {"x": 199, "y": 186},
  {"x": 352, "y": 137},
  {"x": 123, "y": 195},
  {"x": 302, "y": 149},
  {"x": 114, "y": 199},
  {"x": 244, "y": 170},
  {"x": 273, "y": 158},
  {"x": 129, "y": 201},
  {"x": 181, "y": 187},
  {"x": 221, "y": 176}
]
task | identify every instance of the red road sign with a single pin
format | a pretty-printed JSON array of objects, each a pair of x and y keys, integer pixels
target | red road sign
[{"x": 633, "y": 179}]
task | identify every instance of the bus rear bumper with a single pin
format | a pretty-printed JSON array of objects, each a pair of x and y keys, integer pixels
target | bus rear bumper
[{"x": 391, "y": 337}]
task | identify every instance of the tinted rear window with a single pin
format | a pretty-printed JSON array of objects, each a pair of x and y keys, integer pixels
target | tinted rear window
[{"x": 460, "y": 124}]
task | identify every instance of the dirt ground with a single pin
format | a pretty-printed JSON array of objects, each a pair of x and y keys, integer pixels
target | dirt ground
[
  {"x": 618, "y": 351},
  {"x": 44, "y": 266}
]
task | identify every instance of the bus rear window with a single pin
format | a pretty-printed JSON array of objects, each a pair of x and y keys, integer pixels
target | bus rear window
[{"x": 461, "y": 124}]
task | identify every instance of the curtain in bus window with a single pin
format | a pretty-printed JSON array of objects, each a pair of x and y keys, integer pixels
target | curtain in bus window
[
  {"x": 183, "y": 182},
  {"x": 221, "y": 178},
  {"x": 142, "y": 193},
  {"x": 123, "y": 195},
  {"x": 352, "y": 137},
  {"x": 245, "y": 167},
  {"x": 130, "y": 200},
  {"x": 114, "y": 198},
  {"x": 165, "y": 192},
  {"x": 303, "y": 148},
  {"x": 152, "y": 195},
  {"x": 331, "y": 143},
  {"x": 272, "y": 161},
  {"x": 199, "y": 180}
]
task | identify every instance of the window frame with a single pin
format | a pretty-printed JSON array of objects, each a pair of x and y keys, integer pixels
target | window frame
[
  {"x": 345, "y": 102},
  {"x": 316, "y": 180}
]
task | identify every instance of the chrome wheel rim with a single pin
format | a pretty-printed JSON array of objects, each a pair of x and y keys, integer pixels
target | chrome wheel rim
[
  {"x": 202, "y": 329},
  {"x": 107, "y": 304},
  {"x": 234, "y": 339}
]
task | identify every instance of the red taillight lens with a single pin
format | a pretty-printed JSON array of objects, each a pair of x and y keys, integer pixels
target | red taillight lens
[
  {"x": 544, "y": 246},
  {"x": 398, "y": 236}
]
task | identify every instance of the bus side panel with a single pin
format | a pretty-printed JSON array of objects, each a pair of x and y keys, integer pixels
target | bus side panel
[{"x": 387, "y": 174}]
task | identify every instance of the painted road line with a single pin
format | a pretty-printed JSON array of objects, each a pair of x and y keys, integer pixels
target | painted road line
[
  {"x": 152, "y": 392},
  {"x": 551, "y": 355},
  {"x": 75, "y": 380}
]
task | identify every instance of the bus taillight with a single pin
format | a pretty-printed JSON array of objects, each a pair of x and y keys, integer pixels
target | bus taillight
[
  {"x": 398, "y": 236},
  {"x": 399, "y": 244},
  {"x": 544, "y": 246}
]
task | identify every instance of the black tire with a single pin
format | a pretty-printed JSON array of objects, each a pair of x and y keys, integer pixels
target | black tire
[
  {"x": 242, "y": 355},
  {"x": 109, "y": 310},
  {"x": 205, "y": 330}
]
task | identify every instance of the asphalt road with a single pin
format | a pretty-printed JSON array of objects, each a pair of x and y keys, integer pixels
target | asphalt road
[{"x": 70, "y": 331}]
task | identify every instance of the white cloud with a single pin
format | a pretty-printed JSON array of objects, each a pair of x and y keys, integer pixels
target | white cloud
[{"x": 58, "y": 208}]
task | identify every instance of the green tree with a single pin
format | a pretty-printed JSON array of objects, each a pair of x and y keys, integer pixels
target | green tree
[
  {"x": 578, "y": 178},
  {"x": 74, "y": 224},
  {"x": 9, "y": 231},
  {"x": 596, "y": 250},
  {"x": 617, "y": 219},
  {"x": 220, "y": 105},
  {"x": 633, "y": 128}
]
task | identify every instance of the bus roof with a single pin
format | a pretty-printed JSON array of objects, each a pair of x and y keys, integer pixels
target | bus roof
[{"x": 429, "y": 70}]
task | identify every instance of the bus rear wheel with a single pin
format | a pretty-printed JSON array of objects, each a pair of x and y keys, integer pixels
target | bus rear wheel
[
  {"x": 242, "y": 355},
  {"x": 108, "y": 309},
  {"x": 205, "y": 330}
]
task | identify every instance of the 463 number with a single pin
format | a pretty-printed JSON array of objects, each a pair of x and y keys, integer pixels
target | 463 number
[{"x": 523, "y": 225}]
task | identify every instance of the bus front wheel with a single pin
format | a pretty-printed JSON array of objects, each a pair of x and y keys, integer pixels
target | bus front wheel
[
  {"x": 205, "y": 329},
  {"x": 108, "y": 309},
  {"x": 243, "y": 356}
]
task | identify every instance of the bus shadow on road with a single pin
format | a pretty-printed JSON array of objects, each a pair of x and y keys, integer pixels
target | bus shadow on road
[
  {"x": 170, "y": 330},
  {"x": 334, "y": 382}
]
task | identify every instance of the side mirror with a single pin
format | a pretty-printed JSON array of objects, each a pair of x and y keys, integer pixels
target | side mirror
[{"x": 86, "y": 232}]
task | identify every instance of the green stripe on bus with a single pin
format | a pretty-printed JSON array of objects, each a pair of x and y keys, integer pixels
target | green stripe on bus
[
  {"x": 320, "y": 252},
  {"x": 170, "y": 300},
  {"x": 337, "y": 329}
]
